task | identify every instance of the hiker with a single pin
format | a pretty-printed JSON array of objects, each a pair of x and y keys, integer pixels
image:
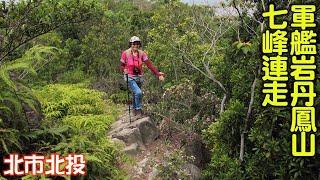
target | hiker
[{"x": 131, "y": 65}]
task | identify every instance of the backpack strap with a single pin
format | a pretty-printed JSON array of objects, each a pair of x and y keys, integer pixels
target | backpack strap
[
  {"x": 128, "y": 52},
  {"x": 140, "y": 52}
]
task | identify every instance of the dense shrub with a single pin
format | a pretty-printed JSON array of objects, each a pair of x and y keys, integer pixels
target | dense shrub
[
  {"x": 186, "y": 104},
  {"x": 86, "y": 117}
]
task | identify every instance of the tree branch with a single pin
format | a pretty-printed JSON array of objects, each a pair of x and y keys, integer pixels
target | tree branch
[{"x": 35, "y": 36}]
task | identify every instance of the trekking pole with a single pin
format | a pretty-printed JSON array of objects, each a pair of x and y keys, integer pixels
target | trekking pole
[{"x": 128, "y": 97}]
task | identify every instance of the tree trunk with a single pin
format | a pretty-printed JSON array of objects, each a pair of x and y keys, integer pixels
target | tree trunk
[
  {"x": 242, "y": 144},
  {"x": 223, "y": 103}
]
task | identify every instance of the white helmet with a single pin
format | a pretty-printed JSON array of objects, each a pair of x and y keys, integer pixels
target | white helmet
[{"x": 134, "y": 39}]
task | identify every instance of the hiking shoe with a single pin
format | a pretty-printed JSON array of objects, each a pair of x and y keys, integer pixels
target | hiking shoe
[
  {"x": 138, "y": 113},
  {"x": 135, "y": 112}
]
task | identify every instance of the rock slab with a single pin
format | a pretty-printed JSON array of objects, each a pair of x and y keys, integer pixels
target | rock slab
[{"x": 136, "y": 134}]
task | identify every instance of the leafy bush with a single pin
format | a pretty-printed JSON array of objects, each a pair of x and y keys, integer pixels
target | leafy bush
[
  {"x": 222, "y": 166},
  {"x": 59, "y": 101},
  {"x": 87, "y": 118},
  {"x": 223, "y": 137},
  {"x": 185, "y": 104},
  {"x": 74, "y": 76},
  {"x": 16, "y": 99},
  {"x": 172, "y": 166},
  {"x": 225, "y": 131},
  {"x": 121, "y": 97}
]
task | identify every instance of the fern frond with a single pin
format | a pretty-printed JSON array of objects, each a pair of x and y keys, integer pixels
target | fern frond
[
  {"x": 9, "y": 139},
  {"x": 4, "y": 145},
  {"x": 5, "y": 78},
  {"x": 16, "y": 104},
  {"x": 6, "y": 110}
]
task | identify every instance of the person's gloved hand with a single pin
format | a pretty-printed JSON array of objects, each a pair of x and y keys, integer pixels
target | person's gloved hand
[{"x": 161, "y": 77}]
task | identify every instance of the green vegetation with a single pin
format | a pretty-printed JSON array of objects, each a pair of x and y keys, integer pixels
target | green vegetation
[
  {"x": 76, "y": 120},
  {"x": 60, "y": 83}
]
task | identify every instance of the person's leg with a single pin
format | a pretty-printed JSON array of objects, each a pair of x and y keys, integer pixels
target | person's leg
[
  {"x": 140, "y": 86},
  {"x": 137, "y": 94}
]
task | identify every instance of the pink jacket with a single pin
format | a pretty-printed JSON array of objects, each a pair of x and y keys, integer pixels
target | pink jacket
[{"x": 132, "y": 61}]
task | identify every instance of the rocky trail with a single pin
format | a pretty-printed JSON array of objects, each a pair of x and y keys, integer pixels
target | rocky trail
[{"x": 158, "y": 152}]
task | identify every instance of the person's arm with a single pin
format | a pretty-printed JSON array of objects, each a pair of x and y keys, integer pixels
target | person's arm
[
  {"x": 149, "y": 64},
  {"x": 123, "y": 65},
  {"x": 152, "y": 68}
]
